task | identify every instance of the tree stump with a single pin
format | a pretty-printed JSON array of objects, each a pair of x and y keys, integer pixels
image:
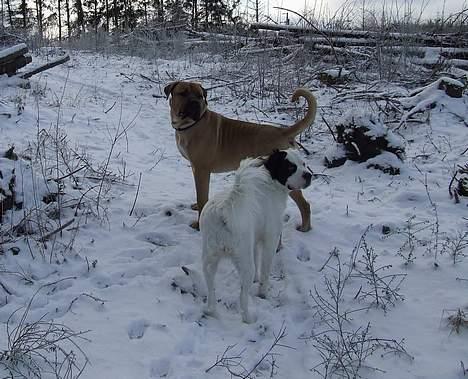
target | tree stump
[{"x": 363, "y": 137}]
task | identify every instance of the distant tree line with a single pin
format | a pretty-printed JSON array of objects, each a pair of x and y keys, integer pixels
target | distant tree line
[{"x": 68, "y": 18}]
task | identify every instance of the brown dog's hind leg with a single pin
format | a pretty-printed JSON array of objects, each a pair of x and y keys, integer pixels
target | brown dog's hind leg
[
  {"x": 202, "y": 186},
  {"x": 304, "y": 208}
]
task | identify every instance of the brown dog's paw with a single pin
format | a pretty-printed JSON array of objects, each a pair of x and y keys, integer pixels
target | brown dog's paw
[
  {"x": 303, "y": 228},
  {"x": 195, "y": 225},
  {"x": 194, "y": 207}
]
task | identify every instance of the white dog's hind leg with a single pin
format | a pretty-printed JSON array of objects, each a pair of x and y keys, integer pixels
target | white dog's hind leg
[
  {"x": 246, "y": 267},
  {"x": 210, "y": 265},
  {"x": 257, "y": 257}
]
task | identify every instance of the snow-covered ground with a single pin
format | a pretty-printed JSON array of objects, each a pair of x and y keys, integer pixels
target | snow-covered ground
[{"x": 122, "y": 280}]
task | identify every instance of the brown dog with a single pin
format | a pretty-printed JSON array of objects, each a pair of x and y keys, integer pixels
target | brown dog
[{"x": 214, "y": 143}]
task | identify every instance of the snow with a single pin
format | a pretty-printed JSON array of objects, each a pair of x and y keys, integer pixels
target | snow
[
  {"x": 335, "y": 151},
  {"x": 122, "y": 279},
  {"x": 386, "y": 160}
]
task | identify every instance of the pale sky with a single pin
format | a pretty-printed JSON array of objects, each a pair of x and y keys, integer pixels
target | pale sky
[{"x": 432, "y": 8}]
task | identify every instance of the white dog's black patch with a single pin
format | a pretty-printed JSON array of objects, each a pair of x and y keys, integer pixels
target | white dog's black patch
[{"x": 281, "y": 168}]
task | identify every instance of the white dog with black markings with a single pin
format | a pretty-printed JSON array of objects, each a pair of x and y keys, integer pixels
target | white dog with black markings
[{"x": 245, "y": 222}]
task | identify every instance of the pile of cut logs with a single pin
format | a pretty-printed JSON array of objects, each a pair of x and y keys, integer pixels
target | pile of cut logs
[
  {"x": 427, "y": 49},
  {"x": 15, "y": 57}
]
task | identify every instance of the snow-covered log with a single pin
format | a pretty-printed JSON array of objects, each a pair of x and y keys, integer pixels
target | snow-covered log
[
  {"x": 428, "y": 97},
  {"x": 14, "y": 58},
  {"x": 11, "y": 53}
]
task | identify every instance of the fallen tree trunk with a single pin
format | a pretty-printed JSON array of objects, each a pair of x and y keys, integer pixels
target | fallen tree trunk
[
  {"x": 265, "y": 49},
  {"x": 44, "y": 67}
]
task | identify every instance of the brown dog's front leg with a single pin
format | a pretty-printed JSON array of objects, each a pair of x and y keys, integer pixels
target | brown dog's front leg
[
  {"x": 304, "y": 208},
  {"x": 202, "y": 186}
]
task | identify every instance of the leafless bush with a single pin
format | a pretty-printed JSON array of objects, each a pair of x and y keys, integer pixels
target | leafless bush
[
  {"x": 232, "y": 362},
  {"x": 457, "y": 320},
  {"x": 120, "y": 133},
  {"x": 411, "y": 240},
  {"x": 458, "y": 185},
  {"x": 344, "y": 348},
  {"x": 76, "y": 187},
  {"x": 38, "y": 347},
  {"x": 343, "y": 352},
  {"x": 51, "y": 162},
  {"x": 379, "y": 288},
  {"x": 456, "y": 246}
]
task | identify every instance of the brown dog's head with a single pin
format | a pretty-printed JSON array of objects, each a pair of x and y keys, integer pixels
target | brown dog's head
[{"x": 188, "y": 103}]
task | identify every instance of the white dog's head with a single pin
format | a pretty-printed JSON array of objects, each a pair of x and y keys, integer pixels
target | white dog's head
[{"x": 288, "y": 168}]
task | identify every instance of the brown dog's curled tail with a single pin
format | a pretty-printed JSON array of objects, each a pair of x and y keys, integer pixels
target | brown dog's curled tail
[{"x": 309, "y": 118}]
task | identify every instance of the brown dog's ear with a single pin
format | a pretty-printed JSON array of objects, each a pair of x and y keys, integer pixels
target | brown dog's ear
[
  {"x": 205, "y": 93},
  {"x": 168, "y": 89}
]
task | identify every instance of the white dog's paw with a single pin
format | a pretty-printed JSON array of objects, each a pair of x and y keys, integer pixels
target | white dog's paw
[
  {"x": 262, "y": 293},
  {"x": 210, "y": 312},
  {"x": 249, "y": 318},
  {"x": 262, "y": 290}
]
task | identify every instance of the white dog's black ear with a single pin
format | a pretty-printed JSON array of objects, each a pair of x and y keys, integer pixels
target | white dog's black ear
[
  {"x": 278, "y": 166},
  {"x": 169, "y": 88}
]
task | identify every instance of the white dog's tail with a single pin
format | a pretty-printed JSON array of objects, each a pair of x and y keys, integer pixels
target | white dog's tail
[{"x": 309, "y": 118}]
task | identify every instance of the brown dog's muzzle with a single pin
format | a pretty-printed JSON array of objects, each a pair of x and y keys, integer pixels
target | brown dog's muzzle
[{"x": 193, "y": 109}]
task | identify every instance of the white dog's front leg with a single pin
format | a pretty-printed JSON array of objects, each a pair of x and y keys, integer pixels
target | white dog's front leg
[
  {"x": 269, "y": 250},
  {"x": 244, "y": 303}
]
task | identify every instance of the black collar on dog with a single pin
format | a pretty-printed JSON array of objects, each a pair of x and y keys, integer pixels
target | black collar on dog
[{"x": 188, "y": 127}]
